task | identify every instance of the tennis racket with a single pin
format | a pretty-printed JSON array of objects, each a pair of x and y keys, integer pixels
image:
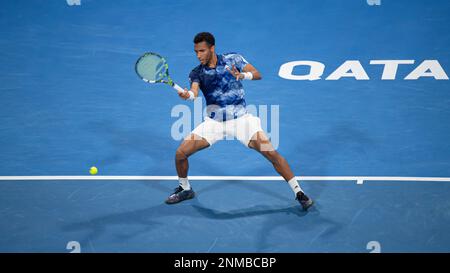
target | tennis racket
[{"x": 153, "y": 68}]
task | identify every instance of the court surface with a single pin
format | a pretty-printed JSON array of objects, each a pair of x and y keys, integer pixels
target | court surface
[{"x": 70, "y": 99}]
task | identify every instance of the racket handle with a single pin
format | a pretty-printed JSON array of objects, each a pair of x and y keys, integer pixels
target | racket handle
[{"x": 178, "y": 88}]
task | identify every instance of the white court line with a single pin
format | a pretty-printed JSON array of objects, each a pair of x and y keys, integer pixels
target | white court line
[{"x": 359, "y": 179}]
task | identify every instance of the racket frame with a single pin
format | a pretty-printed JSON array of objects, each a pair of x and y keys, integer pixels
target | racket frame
[{"x": 169, "y": 80}]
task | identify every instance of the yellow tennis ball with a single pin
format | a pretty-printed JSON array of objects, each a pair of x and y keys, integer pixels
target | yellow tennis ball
[{"x": 93, "y": 170}]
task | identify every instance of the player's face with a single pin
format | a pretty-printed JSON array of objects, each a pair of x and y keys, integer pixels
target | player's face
[{"x": 204, "y": 52}]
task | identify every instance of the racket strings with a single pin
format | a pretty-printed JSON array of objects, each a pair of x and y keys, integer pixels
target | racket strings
[{"x": 152, "y": 68}]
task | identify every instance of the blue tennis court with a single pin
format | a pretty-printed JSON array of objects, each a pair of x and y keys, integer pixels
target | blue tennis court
[{"x": 356, "y": 97}]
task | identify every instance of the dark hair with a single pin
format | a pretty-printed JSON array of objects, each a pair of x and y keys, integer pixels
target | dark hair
[{"x": 205, "y": 37}]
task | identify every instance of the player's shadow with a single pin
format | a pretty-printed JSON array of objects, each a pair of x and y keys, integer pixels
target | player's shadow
[
  {"x": 314, "y": 222},
  {"x": 248, "y": 212},
  {"x": 280, "y": 220},
  {"x": 143, "y": 221}
]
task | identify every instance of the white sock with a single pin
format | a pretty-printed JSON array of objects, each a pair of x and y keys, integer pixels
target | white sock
[
  {"x": 294, "y": 185},
  {"x": 184, "y": 183}
]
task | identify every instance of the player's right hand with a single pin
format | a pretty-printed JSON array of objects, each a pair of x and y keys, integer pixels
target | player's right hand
[{"x": 184, "y": 95}]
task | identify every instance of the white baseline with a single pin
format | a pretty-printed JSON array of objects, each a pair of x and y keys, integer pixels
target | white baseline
[{"x": 359, "y": 179}]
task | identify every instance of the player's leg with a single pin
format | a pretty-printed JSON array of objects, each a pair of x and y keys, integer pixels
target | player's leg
[
  {"x": 261, "y": 143},
  {"x": 190, "y": 145},
  {"x": 249, "y": 131},
  {"x": 203, "y": 136}
]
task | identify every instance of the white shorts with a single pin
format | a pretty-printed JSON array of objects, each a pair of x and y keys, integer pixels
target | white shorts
[{"x": 242, "y": 129}]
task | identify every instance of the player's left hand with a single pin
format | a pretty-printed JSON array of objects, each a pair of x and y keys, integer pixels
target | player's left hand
[{"x": 235, "y": 73}]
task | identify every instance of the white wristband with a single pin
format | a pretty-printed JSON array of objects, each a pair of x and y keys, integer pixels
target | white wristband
[
  {"x": 191, "y": 95},
  {"x": 247, "y": 75}
]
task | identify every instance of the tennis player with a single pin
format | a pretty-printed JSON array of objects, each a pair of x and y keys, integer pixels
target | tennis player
[{"x": 220, "y": 77}]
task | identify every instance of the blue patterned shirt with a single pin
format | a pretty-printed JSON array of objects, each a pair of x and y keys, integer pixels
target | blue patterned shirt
[{"x": 223, "y": 93}]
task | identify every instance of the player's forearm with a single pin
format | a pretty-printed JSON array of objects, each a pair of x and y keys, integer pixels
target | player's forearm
[
  {"x": 256, "y": 75},
  {"x": 250, "y": 75},
  {"x": 195, "y": 88}
]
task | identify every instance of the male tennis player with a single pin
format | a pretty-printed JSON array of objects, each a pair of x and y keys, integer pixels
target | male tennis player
[{"x": 220, "y": 79}]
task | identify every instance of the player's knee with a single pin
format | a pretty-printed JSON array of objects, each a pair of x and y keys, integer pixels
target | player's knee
[{"x": 180, "y": 155}]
